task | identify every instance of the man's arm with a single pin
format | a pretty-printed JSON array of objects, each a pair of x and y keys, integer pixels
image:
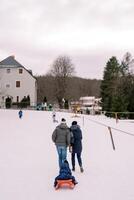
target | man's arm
[
  {"x": 68, "y": 137},
  {"x": 54, "y": 135}
]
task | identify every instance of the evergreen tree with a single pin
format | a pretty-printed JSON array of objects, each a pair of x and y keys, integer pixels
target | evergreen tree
[
  {"x": 109, "y": 83},
  {"x": 130, "y": 96},
  {"x": 117, "y": 87},
  {"x": 128, "y": 82}
]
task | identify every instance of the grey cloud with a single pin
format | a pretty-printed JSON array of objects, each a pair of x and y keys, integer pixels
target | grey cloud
[
  {"x": 88, "y": 63},
  {"x": 28, "y": 27}
]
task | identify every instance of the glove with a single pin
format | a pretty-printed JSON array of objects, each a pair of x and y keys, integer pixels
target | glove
[{"x": 70, "y": 149}]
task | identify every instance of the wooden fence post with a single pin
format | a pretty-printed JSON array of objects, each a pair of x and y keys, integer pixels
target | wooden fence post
[
  {"x": 83, "y": 120},
  {"x": 116, "y": 117},
  {"x": 109, "y": 128}
]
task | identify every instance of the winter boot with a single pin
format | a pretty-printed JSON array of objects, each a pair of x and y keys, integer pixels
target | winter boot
[
  {"x": 81, "y": 169},
  {"x": 73, "y": 169},
  {"x": 75, "y": 182}
]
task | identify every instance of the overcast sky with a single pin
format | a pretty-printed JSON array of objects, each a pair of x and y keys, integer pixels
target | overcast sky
[{"x": 89, "y": 32}]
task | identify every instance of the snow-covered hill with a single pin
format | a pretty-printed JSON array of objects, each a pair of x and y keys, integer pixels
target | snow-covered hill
[{"x": 29, "y": 164}]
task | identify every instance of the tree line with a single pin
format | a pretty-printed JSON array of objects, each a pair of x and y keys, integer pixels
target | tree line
[
  {"x": 117, "y": 86},
  {"x": 116, "y": 89},
  {"x": 60, "y": 82}
]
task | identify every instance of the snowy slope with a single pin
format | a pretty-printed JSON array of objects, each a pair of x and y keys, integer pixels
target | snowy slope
[{"x": 29, "y": 164}]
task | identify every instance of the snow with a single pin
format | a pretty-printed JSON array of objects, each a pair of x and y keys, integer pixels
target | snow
[{"x": 29, "y": 162}]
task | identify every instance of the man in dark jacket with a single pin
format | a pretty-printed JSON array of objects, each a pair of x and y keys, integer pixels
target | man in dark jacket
[
  {"x": 76, "y": 145},
  {"x": 61, "y": 137}
]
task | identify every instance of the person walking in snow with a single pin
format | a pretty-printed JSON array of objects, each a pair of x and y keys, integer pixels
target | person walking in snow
[
  {"x": 76, "y": 145},
  {"x": 54, "y": 116},
  {"x": 61, "y": 137},
  {"x": 20, "y": 113}
]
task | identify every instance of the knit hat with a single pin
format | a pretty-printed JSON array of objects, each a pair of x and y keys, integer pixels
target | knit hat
[
  {"x": 74, "y": 123},
  {"x": 63, "y": 120}
]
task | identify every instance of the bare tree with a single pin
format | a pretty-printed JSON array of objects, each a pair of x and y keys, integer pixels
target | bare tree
[
  {"x": 61, "y": 70},
  {"x": 127, "y": 64}
]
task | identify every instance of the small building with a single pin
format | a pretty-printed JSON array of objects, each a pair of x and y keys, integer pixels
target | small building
[
  {"x": 90, "y": 104},
  {"x": 16, "y": 83},
  {"x": 75, "y": 106}
]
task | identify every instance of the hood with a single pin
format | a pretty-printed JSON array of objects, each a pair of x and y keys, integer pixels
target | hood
[
  {"x": 75, "y": 127},
  {"x": 63, "y": 126}
]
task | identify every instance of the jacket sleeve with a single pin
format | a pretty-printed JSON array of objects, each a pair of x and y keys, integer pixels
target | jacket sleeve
[
  {"x": 72, "y": 138},
  {"x": 80, "y": 134},
  {"x": 54, "y": 135},
  {"x": 68, "y": 137}
]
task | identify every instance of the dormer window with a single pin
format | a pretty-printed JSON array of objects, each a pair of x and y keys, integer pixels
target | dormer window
[
  {"x": 8, "y": 71},
  {"x": 20, "y": 71}
]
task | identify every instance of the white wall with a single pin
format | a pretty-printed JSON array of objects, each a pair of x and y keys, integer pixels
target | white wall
[{"x": 27, "y": 84}]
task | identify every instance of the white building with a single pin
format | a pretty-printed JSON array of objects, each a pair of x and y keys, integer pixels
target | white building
[
  {"x": 16, "y": 83},
  {"x": 90, "y": 104}
]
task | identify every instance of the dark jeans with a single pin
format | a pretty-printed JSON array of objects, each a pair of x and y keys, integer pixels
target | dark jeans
[{"x": 78, "y": 158}]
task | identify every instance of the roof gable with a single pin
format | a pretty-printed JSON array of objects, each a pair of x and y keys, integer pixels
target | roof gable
[{"x": 10, "y": 61}]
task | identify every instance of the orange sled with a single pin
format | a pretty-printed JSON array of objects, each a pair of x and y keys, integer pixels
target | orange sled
[{"x": 64, "y": 183}]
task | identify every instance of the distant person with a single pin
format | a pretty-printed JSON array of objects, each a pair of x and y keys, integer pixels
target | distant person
[
  {"x": 87, "y": 111},
  {"x": 61, "y": 137},
  {"x": 20, "y": 113},
  {"x": 54, "y": 116},
  {"x": 65, "y": 174},
  {"x": 50, "y": 107},
  {"x": 45, "y": 106},
  {"x": 76, "y": 145}
]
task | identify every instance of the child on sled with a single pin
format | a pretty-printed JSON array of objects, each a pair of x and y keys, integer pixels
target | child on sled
[{"x": 65, "y": 174}]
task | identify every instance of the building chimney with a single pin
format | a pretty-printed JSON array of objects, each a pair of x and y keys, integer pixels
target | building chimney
[{"x": 13, "y": 56}]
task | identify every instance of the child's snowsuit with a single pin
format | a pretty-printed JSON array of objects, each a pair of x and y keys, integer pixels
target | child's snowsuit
[
  {"x": 20, "y": 114},
  {"x": 65, "y": 173}
]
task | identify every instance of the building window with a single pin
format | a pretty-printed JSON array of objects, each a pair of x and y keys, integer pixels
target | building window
[
  {"x": 20, "y": 71},
  {"x": 17, "y": 99},
  {"x": 17, "y": 83},
  {"x": 8, "y": 71},
  {"x": 7, "y": 85}
]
